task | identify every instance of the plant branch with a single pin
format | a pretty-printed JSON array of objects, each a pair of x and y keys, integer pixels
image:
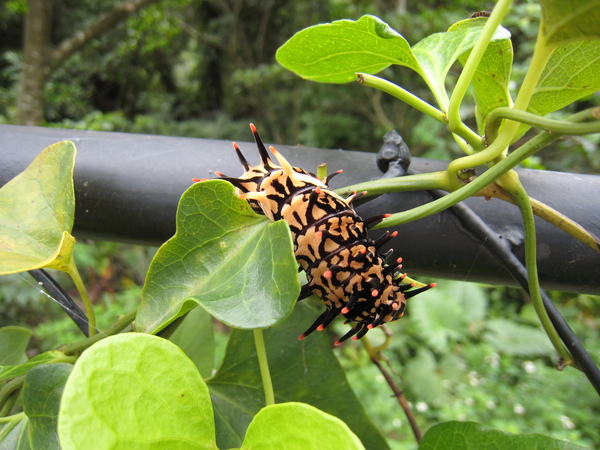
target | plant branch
[
  {"x": 104, "y": 23},
  {"x": 376, "y": 357},
  {"x": 489, "y": 176}
]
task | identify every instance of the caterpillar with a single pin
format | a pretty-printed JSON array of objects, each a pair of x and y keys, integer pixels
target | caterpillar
[{"x": 343, "y": 265}]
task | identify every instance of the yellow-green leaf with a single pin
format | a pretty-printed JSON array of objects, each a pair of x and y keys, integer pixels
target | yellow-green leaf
[{"x": 36, "y": 212}]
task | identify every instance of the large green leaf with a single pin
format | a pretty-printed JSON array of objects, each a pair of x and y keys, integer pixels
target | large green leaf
[
  {"x": 568, "y": 21},
  {"x": 13, "y": 343},
  {"x": 298, "y": 425},
  {"x": 334, "y": 52},
  {"x": 36, "y": 213},
  {"x": 490, "y": 81},
  {"x": 12, "y": 371},
  {"x": 42, "y": 392},
  {"x": 304, "y": 371},
  {"x": 572, "y": 72},
  {"x": 462, "y": 435},
  {"x": 138, "y": 391},
  {"x": 238, "y": 265}
]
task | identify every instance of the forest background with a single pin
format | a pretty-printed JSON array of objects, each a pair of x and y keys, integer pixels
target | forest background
[{"x": 206, "y": 69}]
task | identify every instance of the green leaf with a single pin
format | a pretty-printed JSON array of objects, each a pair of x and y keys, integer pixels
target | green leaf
[
  {"x": 460, "y": 435},
  {"x": 12, "y": 371},
  {"x": 490, "y": 81},
  {"x": 138, "y": 391},
  {"x": 298, "y": 425},
  {"x": 516, "y": 339},
  {"x": 572, "y": 72},
  {"x": 568, "y": 21},
  {"x": 36, "y": 212},
  {"x": 438, "y": 52},
  {"x": 42, "y": 392},
  {"x": 13, "y": 343},
  {"x": 193, "y": 333},
  {"x": 238, "y": 265},
  {"x": 304, "y": 371},
  {"x": 334, "y": 52}
]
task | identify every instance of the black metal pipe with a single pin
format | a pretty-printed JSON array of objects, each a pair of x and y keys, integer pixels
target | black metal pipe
[{"x": 128, "y": 185}]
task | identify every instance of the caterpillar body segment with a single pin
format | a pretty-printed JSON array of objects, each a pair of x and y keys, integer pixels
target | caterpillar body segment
[{"x": 342, "y": 264}]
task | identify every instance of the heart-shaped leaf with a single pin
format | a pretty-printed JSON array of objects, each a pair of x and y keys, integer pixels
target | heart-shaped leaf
[
  {"x": 559, "y": 87},
  {"x": 36, "y": 213},
  {"x": 238, "y": 265},
  {"x": 135, "y": 390},
  {"x": 564, "y": 22},
  {"x": 475, "y": 435},
  {"x": 304, "y": 371},
  {"x": 298, "y": 425},
  {"x": 334, "y": 52},
  {"x": 42, "y": 392}
]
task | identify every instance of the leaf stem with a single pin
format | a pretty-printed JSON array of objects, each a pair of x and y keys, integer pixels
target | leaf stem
[
  {"x": 472, "y": 138},
  {"x": 9, "y": 387},
  {"x": 263, "y": 363},
  {"x": 470, "y": 67},
  {"x": 117, "y": 327},
  {"x": 15, "y": 417},
  {"x": 87, "y": 303}
]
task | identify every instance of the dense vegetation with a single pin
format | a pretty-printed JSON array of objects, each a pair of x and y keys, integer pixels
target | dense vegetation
[{"x": 206, "y": 69}]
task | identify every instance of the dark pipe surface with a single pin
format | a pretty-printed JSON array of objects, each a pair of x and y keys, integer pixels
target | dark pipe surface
[{"x": 128, "y": 185}]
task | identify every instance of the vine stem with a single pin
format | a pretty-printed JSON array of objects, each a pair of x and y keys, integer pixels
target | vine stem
[
  {"x": 539, "y": 59},
  {"x": 513, "y": 186},
  {"x": 464, "y": 80},
  {"x": 506, "y": 164},
  {"x": 263, "y": 363}
]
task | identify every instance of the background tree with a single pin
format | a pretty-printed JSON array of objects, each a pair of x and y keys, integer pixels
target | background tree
[{"x": 40, "y": 60}]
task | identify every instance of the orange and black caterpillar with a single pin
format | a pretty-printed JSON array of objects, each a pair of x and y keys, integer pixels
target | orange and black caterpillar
[{"x": 343, "y": 266}]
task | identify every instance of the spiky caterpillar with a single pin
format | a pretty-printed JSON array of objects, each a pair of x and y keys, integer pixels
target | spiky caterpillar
[{"x": 343, "y": 266}]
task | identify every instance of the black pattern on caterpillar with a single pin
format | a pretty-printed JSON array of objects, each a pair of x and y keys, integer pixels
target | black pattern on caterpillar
[{"x": 343, "y": 266}]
